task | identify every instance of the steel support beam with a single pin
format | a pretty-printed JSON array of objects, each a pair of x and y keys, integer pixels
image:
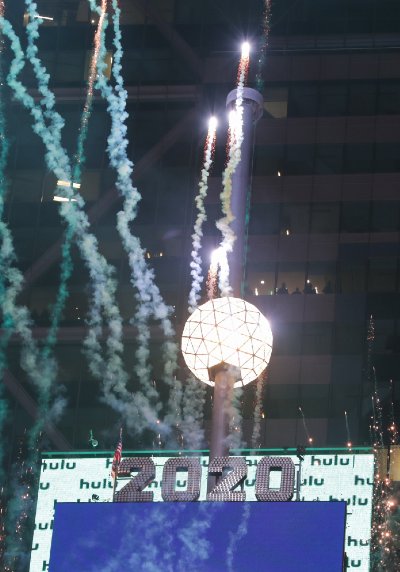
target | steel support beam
[
  {"x": 172, "y": 36},
  {"x": 48, "y": 258}
]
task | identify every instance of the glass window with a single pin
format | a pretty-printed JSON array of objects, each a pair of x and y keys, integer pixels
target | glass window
[
  {"x": 70, "y": 67},
  {"x": 315, "y": 400},
  {"x": 387, "y": 158},
  {"x": 349, "y": 339},
  {"x": 317, "y": 338},
  {"x": 287, "y": 338},
  {"x": 382, "y": 275},
  {"x": 188, "y": 11},
  {"x": 295, "y": 218},
  {"x": 301, "y": 18},
  {"x": 291, "y": 276},
  {"x": 389, "y": 97},
  {"x": 385, "y": 216},
  {"x": 352, "y": 276},
  {"x": 322, "y": 276},
  {"x": 332, "y": 100},
  {"x": 264, "y": 218},
  {"x": 276, "y": 102},
  {"x": 299, "y": 160},
  {"x": 384, "y": 335},
  {"x": 325, "y": 217},
  {"x": 268, "y": 159},
  {"x": 328, "y": 159},
  {"x": 387, "y": 17},
  {"x": 355, "y": 217},
  {"x": 303, "y": 101},
  {"x": 261, "y": 280},
  {"x": 331, "y": 16},
  {"x": 362, "y": 98},
  {"x": 358, "y": 158}
]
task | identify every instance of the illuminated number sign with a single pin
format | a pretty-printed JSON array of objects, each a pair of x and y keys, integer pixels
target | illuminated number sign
[
  {"x": 232, "y": 472},
  {"x": 324, "y": 477}
]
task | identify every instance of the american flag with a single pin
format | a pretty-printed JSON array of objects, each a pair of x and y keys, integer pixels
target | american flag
[{"x": 117, "y": 457}]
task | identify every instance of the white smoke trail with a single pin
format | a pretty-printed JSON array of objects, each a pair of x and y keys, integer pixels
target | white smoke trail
[
  {"x": 103, "y": 284},
  {"x": 6, "y": 258},
  {"x": 195, "y": 264},
  {"x": 194, "y": 396},
  {"x": 236, "y": 537},
  {"x": 235, "y": 139},
  {"x": 235, "y": 438},
  {"x": 150, "y": 301},
  {"x": 255, "y": 438}
]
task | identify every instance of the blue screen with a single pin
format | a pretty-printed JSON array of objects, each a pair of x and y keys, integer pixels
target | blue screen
[{"x": 199, "y": 537}]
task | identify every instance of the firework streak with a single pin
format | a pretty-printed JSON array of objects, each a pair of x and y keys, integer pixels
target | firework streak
[
  {"x": 264, "y": 44},
  {"x": 195, "y": 264},
  {"x": 42, "y": 371},
  {"x": 5, "y": 238},
  {"x": 102, "y": 274},
  {"x": 235, "y": 138},
  {"x": 258, "y": 405},
  {"x": 150, "y": 301}
]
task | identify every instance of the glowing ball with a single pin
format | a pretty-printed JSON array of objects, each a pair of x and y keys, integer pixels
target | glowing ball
[{"x": 227, "y": 330}]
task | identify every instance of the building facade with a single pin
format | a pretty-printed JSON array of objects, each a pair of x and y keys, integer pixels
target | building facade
[{"x": 323, "y": 235}]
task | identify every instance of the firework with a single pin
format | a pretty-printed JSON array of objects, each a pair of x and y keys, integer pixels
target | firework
[
  {"x": 264, "y": 43},
  {"x": 235, "y": 138},
  {"x": 197, "y": 235},
  {"x": 258, "y": 412},
  {"x": 348, "y": 444},
  {"x": 78, "y": 159},
  {"x": 309, "y": 438}
]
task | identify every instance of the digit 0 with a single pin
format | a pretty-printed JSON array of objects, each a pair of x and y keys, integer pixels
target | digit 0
[
  {"x": 264, "y": 468},
  {"x": 193, "y": 468}
]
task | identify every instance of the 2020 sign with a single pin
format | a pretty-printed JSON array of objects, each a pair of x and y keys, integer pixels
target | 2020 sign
[{"x": 230, "y": 472}]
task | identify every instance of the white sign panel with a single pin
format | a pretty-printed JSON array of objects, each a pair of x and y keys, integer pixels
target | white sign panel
[{"x": 323, "y": 477}]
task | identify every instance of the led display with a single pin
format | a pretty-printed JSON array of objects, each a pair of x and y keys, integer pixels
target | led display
[
  {"x": 323, "y": 477},
  {"x": 201, "y": 537}
]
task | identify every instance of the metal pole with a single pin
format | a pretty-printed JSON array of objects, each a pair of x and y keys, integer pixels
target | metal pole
[
  {"x": 224, "y": 377},
  {"x": 241, "y": 184}
]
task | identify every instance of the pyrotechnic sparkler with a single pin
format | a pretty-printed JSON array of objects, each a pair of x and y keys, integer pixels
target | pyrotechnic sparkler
[
  {"x": 264, "y": 43},
  {"x": 150, "y": 301},
  {"x": 393, "y": 429},
  {"x": 348, "y": 444},
  {"x": 258, "y": 410},
  {"x": 309, "y": 438},
  {"x": 243, "y": 70},
  {"x": 89, "y": 93},
  {"x": 235, "y": 138},
  {"x": 212, "y": 277},
  {"x": 196, "y": 270}
]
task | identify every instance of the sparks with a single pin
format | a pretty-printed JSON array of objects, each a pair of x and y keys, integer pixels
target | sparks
[
  {"x": 264, "y": 44},
  {"x": 245, "y": 50},
  {"x": 89, "y": 94},
  {"x": 196, "y": 263}
]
